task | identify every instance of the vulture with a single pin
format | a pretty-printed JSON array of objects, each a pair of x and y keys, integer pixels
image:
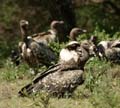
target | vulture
[
  {"x": 33, "y": 53},
  {"x": 64, "y": 76},
  {"x": 54, "y": 34}
]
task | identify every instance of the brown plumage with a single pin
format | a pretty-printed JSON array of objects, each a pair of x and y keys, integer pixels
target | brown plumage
[
  {"x": 63, "y": 77},
  {"x": 75, "y": 32},
  {"x": 55, "y": 34},
  {"x": 33, "y": 53}
]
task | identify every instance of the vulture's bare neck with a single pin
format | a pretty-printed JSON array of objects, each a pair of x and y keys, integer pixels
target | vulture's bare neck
[
  {"x": 24, "y": 33},
  {"x": 54, "y": 31}
]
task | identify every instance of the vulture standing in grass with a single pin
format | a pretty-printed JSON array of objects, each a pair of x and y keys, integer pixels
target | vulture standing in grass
[
  {"x": 33, "y": 53},
  {"x": 54, "y": 34},
  {"x": 65, "y": 76}
]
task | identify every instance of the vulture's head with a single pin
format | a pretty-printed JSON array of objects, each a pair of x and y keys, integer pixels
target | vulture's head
[
  {"x": 75, "y": 32},
  {"x": 24, "y": 29},
  {"x": 57, "y": 25},
  {"x": 89, "y": 46},
  {"x": 24, "y": 24},
  {"x": 71, "y": 51}
]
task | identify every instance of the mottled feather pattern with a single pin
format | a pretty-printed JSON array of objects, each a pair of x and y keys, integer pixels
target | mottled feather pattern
[{"x": 56, "y": 82}]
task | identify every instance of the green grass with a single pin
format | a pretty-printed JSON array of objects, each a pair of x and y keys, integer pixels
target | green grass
[{"x": 101, "y": 88}]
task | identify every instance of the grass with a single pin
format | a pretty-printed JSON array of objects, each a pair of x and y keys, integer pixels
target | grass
[{"x": 101, "y": 88}]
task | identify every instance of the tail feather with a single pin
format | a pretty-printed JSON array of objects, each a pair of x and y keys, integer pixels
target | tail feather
[
  {"x": 41, "y": 75},
  {"x": 26, "y": 90}
]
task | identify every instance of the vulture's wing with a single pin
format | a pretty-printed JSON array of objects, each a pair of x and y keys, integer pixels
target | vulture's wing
[
  {"x": 40, "y": 34},
  {"x": 28, "y": 89},
  {"x": 42, "y": 53}
]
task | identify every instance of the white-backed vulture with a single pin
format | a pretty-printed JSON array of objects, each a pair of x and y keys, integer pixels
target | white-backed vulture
[
  {"x": 33, "y": 53},
  {"x": 63, "y": 77}
]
